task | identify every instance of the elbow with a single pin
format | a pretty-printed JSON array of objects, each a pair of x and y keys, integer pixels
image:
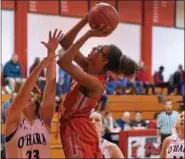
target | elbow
[
  {"x": 61, "y": 62},
  {"x": 66, "y": 65}
]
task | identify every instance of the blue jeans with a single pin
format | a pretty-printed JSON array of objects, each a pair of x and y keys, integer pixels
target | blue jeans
[{"x": 137, "y": 86}]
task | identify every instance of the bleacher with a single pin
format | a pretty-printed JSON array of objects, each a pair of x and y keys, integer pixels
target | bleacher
[
  {"x": 117, "y": 105},
  {"x": 149, "y": 105}
]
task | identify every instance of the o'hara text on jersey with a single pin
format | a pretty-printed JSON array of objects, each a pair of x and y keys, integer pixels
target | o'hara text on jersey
[
  {"x": 31, "y": 139},
  {"x": 176, "y": 148}
]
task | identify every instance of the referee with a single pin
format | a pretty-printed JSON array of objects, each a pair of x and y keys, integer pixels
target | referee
[{"x": 166, "y": 121}]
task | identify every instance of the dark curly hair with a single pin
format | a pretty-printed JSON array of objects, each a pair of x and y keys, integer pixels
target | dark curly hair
[
  {"x": 113, "y": 57},
  {"x": 128, "y": 66},
  {"x": 119, "y": 63}
]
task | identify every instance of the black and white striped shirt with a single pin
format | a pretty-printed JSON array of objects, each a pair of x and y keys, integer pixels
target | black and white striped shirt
[{"x": 165, "y": 122}]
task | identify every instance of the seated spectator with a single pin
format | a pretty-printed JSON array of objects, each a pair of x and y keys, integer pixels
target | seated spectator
[
  {"x": 5, "y": 107},
  {"x": 137, "y": 87},
  {"x": 138, "y": 123},
  {"x": 42, "y": 78},
  {"x": 112, "y": 83},
  {"x": 178, "y": 81},
  {"x": 140, "y": 78},
  {"x": 122, "y": 85},
  {"x": 152, "y": 123},
  {"x": 63, "y": 82},
  {"x": 159, "y": 79},
  {"x": 64, "y": 79},
  {"x": 119, "y": 90},
  {"x": 124, "y": 121},
  {"x": 110, "y": 125},
  {"x": 13, "y": 73},
  {"x": 126, "y": 82},
  {"x": 5, "y": 88}
]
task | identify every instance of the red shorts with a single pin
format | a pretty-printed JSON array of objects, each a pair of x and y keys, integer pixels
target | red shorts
[{"x": 79, "y": 139}]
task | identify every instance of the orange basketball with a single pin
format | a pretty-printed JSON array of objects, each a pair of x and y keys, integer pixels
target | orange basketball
[{"x": 105, "y": 14}]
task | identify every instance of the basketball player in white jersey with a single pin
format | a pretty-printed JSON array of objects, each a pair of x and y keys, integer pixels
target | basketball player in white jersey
[
  {"x": 173, "y": 146},
  {"x": 108, "y": 149},
  {"x": 28, "y": 119}
]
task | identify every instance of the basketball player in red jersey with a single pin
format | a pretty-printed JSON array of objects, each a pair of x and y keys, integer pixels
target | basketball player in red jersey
[
  {"x": 28, "y": 120},
  {"x": 78, "y": 135}
]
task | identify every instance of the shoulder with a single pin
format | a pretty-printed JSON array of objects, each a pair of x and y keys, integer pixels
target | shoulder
[
  {"x": 114, "y": 150},
  {"x": 118, "y": 120},
  {"x": 167, "y": 141},
  {"x": 8, "y": 63}
]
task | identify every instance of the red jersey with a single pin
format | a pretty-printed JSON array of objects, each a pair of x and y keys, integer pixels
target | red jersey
[{"x": 78, "y": 135}]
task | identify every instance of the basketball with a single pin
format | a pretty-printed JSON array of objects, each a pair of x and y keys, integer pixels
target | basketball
[{"x": 105, "y": 14}]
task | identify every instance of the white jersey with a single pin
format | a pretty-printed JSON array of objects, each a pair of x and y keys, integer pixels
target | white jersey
[
  {"x": 29, "y": 141},
  {"x": 104, "y": 148},
  {"x": 176, "y": 149}
]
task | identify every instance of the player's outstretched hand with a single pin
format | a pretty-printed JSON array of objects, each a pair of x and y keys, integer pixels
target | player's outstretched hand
[{"x": 53, "y": 41}]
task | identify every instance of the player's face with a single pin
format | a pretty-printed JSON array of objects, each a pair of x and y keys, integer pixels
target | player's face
[
  {"x": 96, "y": 120},
  {"x": 181, "y": 122},
  {"x": 98, "y": 55},
  {"x": 31, "y": 106}
]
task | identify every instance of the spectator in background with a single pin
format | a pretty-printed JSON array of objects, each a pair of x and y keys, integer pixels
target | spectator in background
[
  {"x": 41, "y": 82},
  {"x": 138, "y": 123},
  {"x": 178, "y": 81},
  {"x": 126, "y": 82},
  {"x": 119, "y": 90},
  {"x": 13, "y": 73},
  {"x": 110, "y": 124},
  {"x": 64, "y": 78},
  {"x": 137, "y": 87},
  {"x": 166, "y": 120},
  {"x": 6, "y": 105},
  {"x": 140, "y": 77},
  {"x": 5, "y": 86},
  {"x": 159, "y": 79},
  {"x": 152, "y": 123},
  {"x": 124, "y": 121},
  {"x": 36, "y": 63},
  {"x": 112, "y": 83}
]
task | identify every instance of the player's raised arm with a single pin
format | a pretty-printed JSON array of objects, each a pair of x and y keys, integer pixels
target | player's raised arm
[
  {"x": 91, "y": 83},
  {"x": 14, "y": 111},
  {"x": 69, "y": 38},
  {"x": 47, "y": 106}
]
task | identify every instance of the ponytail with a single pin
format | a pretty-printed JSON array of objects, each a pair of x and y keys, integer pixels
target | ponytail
[{"x": 127, "y": 66}]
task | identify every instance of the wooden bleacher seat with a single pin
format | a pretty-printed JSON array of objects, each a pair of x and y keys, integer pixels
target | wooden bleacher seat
[
  {"x": 54, "y": 126},
  {"x": 56, "y": 151},
  {"x": 149, "y": 105},
  {"x": 5, "y": 97},
  {"x": 3, "y": 126},
  {"x": 55, "y": 117},
  {"x": 54, "y": 140}
]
